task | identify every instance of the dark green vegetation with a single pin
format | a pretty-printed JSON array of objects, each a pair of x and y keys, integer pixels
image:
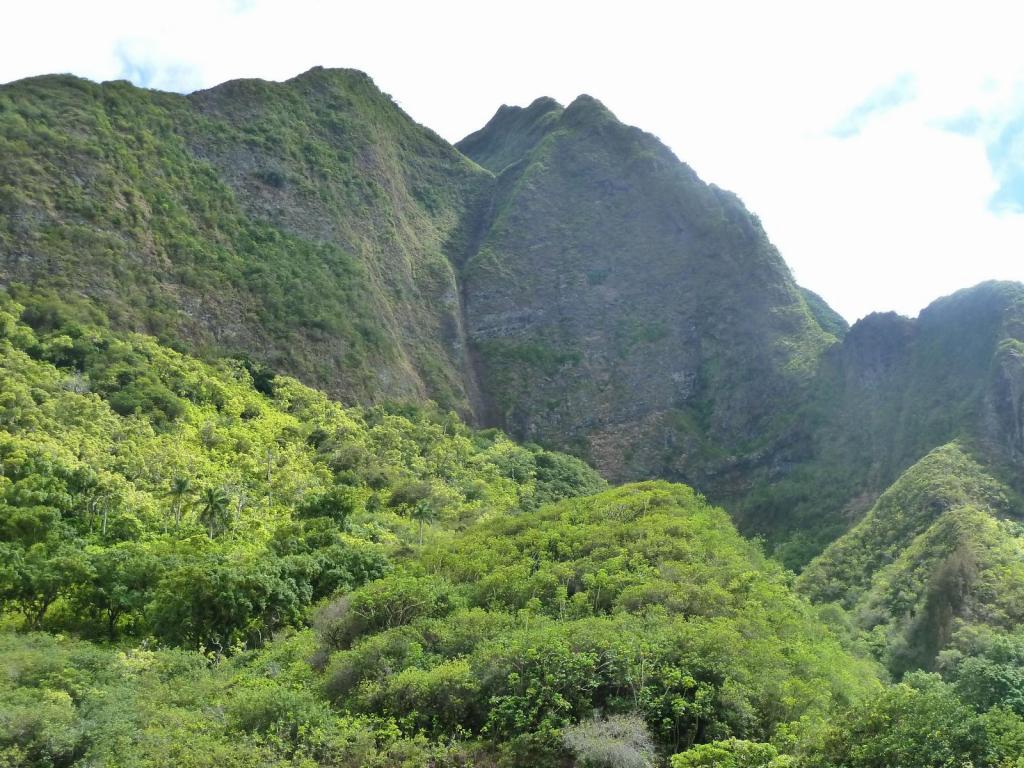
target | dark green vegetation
[
  {"x": 204, "y": 561},
  {"x": 572, "y": 283},
  {"x": 892, "y": 392},
  {"x": 304, "y": 224},
  {"x": 627, "y": 310},
  {"x": 941, "y": 553}
]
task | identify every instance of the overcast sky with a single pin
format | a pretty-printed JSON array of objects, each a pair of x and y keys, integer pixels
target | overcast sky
[{"x": 881, "y": 145}]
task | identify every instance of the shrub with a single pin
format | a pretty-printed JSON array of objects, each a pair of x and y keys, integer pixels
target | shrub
[
  {"x": 384, "y": 604},
  {"x": 621, "y": 741},
  {"x": 733, "y": 753}
]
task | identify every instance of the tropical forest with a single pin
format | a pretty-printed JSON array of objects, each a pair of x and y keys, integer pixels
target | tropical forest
[{"x": 327, "y": 442}]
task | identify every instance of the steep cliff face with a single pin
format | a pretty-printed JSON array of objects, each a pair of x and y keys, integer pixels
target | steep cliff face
[
  {"x": 306, "y": 224},
  {"x": 894, "y": 390},
  {"x": 621, "y": 307}
]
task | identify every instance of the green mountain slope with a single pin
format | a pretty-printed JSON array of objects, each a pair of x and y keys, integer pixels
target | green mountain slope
[
  {"x": 625, "y": 311},
  {"x": 146, "y": 494},
  {"x": 893, "y": 391},
  {"x": 175, "y": 525},
  {"x": 306, "y": 224},
  {"x": 622, "y": 308},
  {"x": 642, "y": 599},
  {"x": 204, "y": 560},
  {"x": 942, "y": 548}
]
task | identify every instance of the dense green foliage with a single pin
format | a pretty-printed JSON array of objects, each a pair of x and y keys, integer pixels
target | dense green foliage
[
  {"x": 145, "y": 493},
  {"x": 940, "y": 548},
  {"x": 921, "y": 723},
  {"x": 305, "y": 224},
  {"x": 65, "y": 702},
  {"x": 188, "y": 520},
  {"x": 580, "y": 286},
  {"x": 642, "y": 600}
]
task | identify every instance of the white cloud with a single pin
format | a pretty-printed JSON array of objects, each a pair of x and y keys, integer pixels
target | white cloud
[{"x": 887, "y": 214}]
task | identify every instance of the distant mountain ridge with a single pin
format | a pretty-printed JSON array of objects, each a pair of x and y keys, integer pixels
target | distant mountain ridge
[{"x": 556, "y": 273}]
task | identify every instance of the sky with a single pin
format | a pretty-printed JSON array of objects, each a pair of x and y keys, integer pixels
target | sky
[{"x": 881, "y": 144}]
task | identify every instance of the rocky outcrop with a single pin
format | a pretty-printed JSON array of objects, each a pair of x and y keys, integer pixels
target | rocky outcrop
[{"x": 1004, "y": 403}]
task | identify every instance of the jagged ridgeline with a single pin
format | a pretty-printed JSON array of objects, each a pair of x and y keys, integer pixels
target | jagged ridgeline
[
  {"x": 890, "y": 393},
  {"x": 306, "y": 224},
  {"x": 557, "y": 274}
]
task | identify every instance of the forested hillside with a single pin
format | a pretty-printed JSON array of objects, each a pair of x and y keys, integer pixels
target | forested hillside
[
  {"x": 145, "y": 493},
  {"x": 940, "y": 557},
  {"x": 576, "y": 285},
  {"x": 212, "y": 565},
  {"x": 258, "y": 347}
]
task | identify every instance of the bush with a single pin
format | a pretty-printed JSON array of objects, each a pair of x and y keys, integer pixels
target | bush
[
  {"x": 409, "y": 494},
  {"x": 734, "y": 753},
  {"x": 338, "y": 504},
  {"x": 385, "y": 604},
  {"x": 621, "y": 741}
]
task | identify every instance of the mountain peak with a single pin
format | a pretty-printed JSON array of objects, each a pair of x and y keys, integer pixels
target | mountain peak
[
  {"x": 332, "y": 74},
  {"x": 586, "y": 102},
  {"x": 511, "y": 134}
]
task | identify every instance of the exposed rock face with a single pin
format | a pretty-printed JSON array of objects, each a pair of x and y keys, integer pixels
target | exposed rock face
[{"x": 622, "y": 307}]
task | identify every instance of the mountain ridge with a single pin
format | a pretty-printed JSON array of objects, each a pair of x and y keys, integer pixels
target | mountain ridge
[
  {"x": 205, "y": 560},
  {"x": 556, "y": 273}
]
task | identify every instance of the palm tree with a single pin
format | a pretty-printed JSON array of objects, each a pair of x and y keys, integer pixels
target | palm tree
[
  {"x": 425, "y": 511},
  {"x": 213, "y": 510},
  {"x": 181, "y": 487}
]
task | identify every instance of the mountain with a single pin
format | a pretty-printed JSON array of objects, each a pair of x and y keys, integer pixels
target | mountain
[
  {"x": 579, "y": 286},
  {"x": 892, "y": 391},
  {"x": 626, "y": 311},
  {"x": 257, "y": 348},
  {"x": 306, "y": 224},
  {"x": 940, "y": 552},
  {"x": 623, "y": 308},
  {"x": 557, "y": 274}
]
